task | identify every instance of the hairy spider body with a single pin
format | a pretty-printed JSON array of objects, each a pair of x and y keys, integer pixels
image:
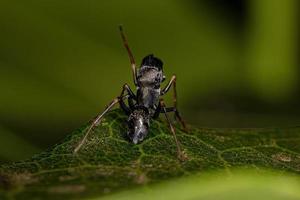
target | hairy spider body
[
  {"x": 147, "y": 103},
  {"x": 149, "y": 78}
]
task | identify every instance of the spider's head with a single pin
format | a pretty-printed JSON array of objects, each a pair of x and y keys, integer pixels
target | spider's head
[
  {"x": 138, "y": 125},
  {"x": 151, "y": 71},
  {"x": 152, "y": 61}
]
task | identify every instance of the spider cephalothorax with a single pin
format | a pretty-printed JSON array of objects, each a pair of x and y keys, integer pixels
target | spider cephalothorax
[
  {"x": 152, "y": 61},
  {"x": 150, "y": 74}
]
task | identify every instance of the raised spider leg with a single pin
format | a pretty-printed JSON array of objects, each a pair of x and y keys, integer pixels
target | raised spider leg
[
  {"x": 181, "y": 155},
  {"x": 98, "y": 118},
  {"x": 174, "y": 109},
  {"x": 132, "y": 61}
]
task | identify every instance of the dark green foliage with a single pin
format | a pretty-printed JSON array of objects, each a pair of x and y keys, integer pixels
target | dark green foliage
[{"x": 109, "y": 163}]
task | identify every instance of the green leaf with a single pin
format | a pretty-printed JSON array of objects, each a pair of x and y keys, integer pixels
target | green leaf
[
  {"x": 246, "y": 185},
  {"x": 108, "y": 163}
]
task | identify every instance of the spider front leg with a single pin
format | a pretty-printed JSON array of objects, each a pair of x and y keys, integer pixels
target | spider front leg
[
  {"x": 181, "y": 155},
  {"x": 174, "y": 109},
  {"x": 97, "y": 120},
  {"x": 131, "y": 97},
  {"x": 130, "y": 55}
]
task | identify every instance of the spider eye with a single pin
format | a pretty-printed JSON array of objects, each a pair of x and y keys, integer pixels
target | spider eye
[{"x": 164, "y": 78}]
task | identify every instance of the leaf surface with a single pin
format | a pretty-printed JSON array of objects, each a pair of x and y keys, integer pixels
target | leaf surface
[{"x": 108, "y": 162}]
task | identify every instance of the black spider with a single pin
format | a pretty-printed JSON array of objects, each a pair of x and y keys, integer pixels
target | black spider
[{"x": 147, "y": 103}]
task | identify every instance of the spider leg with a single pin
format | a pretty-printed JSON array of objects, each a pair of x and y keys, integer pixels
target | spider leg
[
  {"x": 157, "y": 112},
  {"x": 132, "y": 61},
  {"x": 95, "y": 122},
  {"x": 168, "y": 86},
  {"x": 181, "y": 155},
  {"x": 169, "y": 109},
  {"x": 128, "y": 90},
  {"x": 131, "y": 96},
  {"x": 174, "y": 109},
  {"x": 99, "y": 117}
]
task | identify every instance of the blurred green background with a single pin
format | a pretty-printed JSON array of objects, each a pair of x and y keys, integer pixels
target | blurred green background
[{"x": 61, "y": 62}]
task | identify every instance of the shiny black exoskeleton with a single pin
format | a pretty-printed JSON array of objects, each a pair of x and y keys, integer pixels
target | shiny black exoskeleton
[
  {"x": 149, "y": 78},
  {"x": 147, "y": 103}
]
